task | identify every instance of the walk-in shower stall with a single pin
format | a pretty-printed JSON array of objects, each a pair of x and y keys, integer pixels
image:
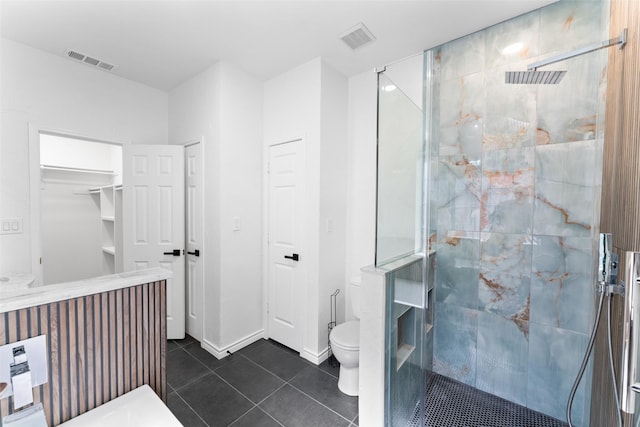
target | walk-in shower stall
[{"x": 502, "y": 183}]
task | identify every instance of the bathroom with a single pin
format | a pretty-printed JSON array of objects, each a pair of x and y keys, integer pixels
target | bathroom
[{"x": 150, "y": 116}]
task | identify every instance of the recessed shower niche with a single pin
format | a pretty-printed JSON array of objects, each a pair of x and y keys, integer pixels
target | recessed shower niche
[{"x": 406, "y": 335}]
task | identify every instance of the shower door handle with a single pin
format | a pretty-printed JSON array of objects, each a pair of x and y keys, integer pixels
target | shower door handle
[{"x": 294, "y": 257}]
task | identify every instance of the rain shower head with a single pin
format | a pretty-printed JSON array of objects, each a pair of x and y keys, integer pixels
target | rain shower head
[{"x": 533, "y": 77}]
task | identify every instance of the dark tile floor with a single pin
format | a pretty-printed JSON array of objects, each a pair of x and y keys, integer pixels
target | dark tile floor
[{"x": 264, "y": 384}]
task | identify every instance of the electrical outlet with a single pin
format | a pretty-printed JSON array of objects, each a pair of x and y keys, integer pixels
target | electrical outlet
[{"x": 11, "y": 226}]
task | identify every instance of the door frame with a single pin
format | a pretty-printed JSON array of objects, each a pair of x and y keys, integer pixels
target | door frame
[
  {"x": 34, "y": 185},
  {"x": 194, "y": 141},
  {"x": 265, "y": 243}
]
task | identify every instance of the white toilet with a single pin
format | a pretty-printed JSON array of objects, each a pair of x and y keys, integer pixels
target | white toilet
[{"x": 345, "y": 345}]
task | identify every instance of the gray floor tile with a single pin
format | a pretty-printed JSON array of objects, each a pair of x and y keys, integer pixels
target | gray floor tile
[
  {"x": 172, "y": 345},
  {"x": 251, "y": 347},
  {"x": 204, "y": 356},
  {"x": 215, "y": 401},
  {"x": 256, "y": 418},
  {"x": 283, "y": 363},
  {"x": 252, "y": 381},
  {"x": 182, "y": 412},
  {"x": 293, "y": 409},
  {"x": 182, "y": 368},
  {"x": 354, "y": 423},
  {"x": 324, "y": 388},
  {"x": 333, "y": 370}
]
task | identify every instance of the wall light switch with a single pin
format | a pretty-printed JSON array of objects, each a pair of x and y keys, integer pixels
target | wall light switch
[
  {"x": 236, "y": 223},
  {"x": 11, "y": 226},
  {"x": 329, "y": 225}
]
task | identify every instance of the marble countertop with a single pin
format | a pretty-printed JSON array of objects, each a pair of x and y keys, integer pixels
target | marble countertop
[{"x": 16, "y": 298}]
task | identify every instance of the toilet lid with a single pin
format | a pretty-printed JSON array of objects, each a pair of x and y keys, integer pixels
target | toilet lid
[{"x": 347, "y": 335}]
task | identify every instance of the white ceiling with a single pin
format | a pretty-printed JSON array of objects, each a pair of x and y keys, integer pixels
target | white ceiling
[{"x": 162, "y": 43}]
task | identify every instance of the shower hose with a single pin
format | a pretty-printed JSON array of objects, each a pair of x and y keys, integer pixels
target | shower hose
[{"x": 585, "y": 360}]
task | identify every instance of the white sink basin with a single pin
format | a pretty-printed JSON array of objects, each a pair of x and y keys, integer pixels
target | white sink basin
[{"x": 138, "y": 408}]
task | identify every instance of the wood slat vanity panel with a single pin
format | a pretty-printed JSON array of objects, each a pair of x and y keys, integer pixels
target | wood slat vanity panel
[{"x": 101, "y": 346}]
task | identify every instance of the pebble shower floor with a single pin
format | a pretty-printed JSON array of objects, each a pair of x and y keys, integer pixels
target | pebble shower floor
[{"x": 449, "y": 403}]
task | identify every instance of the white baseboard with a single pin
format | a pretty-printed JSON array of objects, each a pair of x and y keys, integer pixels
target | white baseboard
[
  {"x": 315, "y": 358},
  {"x": 221, "y": 352}
]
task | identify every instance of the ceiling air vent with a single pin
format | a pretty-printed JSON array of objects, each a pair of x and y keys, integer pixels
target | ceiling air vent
[
  {"x": 81, "y": 57},
  {"x": 357, "y": 36}
]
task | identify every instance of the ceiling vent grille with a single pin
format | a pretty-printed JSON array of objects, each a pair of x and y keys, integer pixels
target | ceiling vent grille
[
  {"x": 357, "y": 36},
  {"x": 81, "y": 57}
]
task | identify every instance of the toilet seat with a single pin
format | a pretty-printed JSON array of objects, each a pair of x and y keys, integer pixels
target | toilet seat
[{"x": 347, "y": 335}]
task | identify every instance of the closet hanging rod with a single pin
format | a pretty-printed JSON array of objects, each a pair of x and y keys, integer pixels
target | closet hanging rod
[{"x": 70, "y": 169}]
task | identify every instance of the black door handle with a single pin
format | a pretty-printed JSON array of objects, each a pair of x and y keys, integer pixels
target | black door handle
[
  {"x": 175, "y": 252},
  {"x": 196, "y": 252},
  {"x": 294, "y": 257}
]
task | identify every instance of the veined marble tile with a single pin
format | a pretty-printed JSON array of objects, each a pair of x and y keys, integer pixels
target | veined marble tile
[
  {"x": 565, "y": 188},
  {"x": 465, "y": 138},
  {"x": 567, "y": 25},
  {"x": 502, "y": 358},
  {"x": 554, "y": 359},
  {"x": 562, "y": 283},
  {"x": 568, "y": 111},
  {"x": 459, "y": 192},
  {"x": 505, "y": 274},
  {"x": 507, "y": 191},
  {"x": 510, "y": 112},
  {"x": 458, "y": 260},
  {"x": 463, "y": 56},
  {"x": 455, "y": 337},
  {"x": 521, "y": 31},
  {"x": 464, "y": 100}
]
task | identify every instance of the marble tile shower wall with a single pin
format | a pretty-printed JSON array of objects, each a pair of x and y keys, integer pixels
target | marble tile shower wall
[{"x": 515, "y": 176}]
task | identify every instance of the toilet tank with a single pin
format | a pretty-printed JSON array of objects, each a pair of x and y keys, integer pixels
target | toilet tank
[{"x": 355, "y": 286}]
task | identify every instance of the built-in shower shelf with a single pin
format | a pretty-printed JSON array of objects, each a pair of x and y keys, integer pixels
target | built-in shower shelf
[{"x": 404, "y": 352}]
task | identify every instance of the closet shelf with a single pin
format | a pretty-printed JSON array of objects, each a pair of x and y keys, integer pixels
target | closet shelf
[{"x": 70, "y": 169}]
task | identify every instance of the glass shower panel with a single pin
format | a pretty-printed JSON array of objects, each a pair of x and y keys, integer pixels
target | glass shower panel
[{"x": 400, "y": 174}]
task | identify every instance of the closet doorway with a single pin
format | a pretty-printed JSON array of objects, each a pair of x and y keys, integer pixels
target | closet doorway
[{"x": 80, "y": 208}]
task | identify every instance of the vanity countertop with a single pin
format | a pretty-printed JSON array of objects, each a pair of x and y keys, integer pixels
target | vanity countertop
[{"x": 23, "y": 297}]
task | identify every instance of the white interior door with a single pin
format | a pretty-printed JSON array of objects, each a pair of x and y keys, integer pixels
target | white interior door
[
  {"x": 193, "y": 206},
  {"x": 153, "y": 220},
  {"x": 285, "y": 257}
]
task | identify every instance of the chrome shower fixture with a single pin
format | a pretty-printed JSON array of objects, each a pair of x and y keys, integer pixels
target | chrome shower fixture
[{"x": 533, "y": 76}]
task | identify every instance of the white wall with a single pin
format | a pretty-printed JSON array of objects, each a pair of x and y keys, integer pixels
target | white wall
[
  {"x": 310, "y": 102},
  {"x": 361, "y": 178},
  {"x": 333, "y": 196},
  {"x": 241, "y": 196},
  {"x": 52, "y": 92},
  {"x": 71, "y": 232},
  {"x": 223, "y": 107}
]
